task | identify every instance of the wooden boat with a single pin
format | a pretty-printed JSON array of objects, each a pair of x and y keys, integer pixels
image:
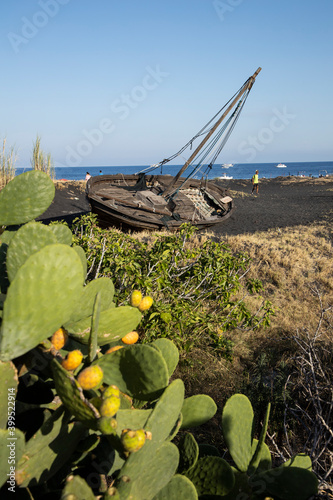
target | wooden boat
[{"x": 146, "y": 201}]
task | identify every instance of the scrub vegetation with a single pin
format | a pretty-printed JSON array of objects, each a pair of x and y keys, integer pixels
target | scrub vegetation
[
  {"x": 7, "y": 164},
  {"x": 278, "y": 345},
  {"x": 115, "y": 329}
]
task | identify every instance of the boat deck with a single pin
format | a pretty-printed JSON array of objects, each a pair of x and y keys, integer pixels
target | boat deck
[{"x": 126, "y": 201}]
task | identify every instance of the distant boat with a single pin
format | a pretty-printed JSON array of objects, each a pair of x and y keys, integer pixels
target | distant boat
[
  {"x": 281, "y": 165},
  {"x": 227, "y": 165},
  {"x": 225, "y": 176}
]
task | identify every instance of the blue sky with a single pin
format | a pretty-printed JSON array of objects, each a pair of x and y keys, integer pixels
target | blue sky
[{"x": 128, "y": 82}]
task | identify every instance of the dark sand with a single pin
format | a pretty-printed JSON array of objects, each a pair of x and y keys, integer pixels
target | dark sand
[{"x": 282, "y": 202}]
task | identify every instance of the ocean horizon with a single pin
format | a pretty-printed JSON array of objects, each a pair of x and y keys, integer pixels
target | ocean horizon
[{"x": 237, "y": 171}]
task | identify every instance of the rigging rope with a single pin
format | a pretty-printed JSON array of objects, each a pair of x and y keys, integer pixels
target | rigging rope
[
  {"x": 216, "y": 144},
  {"x": 203, "y": 131}
]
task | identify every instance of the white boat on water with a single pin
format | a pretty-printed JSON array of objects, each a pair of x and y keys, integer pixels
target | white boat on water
[
  {"x": 225, "y": 176},
  {"x": 227, "y": 165},
  {"x": 281, "y": 165}
]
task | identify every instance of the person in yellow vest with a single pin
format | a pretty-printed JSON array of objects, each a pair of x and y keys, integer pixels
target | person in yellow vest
[{"x": 255, "y": 182}]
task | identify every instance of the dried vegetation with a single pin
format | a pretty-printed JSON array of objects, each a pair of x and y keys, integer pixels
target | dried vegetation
[{"x": 289, "y": 362}]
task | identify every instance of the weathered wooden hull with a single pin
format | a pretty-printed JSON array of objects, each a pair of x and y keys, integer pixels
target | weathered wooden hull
[{"x": 133, "y": 202}]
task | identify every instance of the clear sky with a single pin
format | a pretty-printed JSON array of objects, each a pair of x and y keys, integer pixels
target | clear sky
[{"x": 129, "y": 82}]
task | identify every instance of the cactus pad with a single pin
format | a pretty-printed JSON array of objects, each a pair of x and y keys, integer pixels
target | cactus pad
[
  {"x": 149, "y": 471},
  {"x": 5, "y": 239},
  {"x": 301, "y": 460},
  {"x": 197, "y": 410},
  {"x": 189, "y": 452},
  {"x": 69, "y": 393},
  {"x": 36, "y": 304},
  {"x": 290, "y": 483},
  {"x": 137, "y": 370},
  {"x": 29, "y": 239},
  {"x": 166, "y": 411},
  {"x": 264, "y": 457},
  {"x": 114, "y": 323},
  {"x": 8, "y": 387},
  {"x": 26, "y": 197},
  {"x": 48, "y": 449},
  {"x": 212, "y": 476},
  {"x": 237, "y": 420},
  {"x": 85, "y": 303},
  {"x": 11, "y": 449},
  {"x": 83, "y": 259},
  {"x": 169, "y": 352},
  {"x": 93, "y": 338},
  {"x": 77, "y": 489},
  {"x": 62, "y": 233},
  {"x": 179, "y": 487},
  {"x": 132, "y": 419}
]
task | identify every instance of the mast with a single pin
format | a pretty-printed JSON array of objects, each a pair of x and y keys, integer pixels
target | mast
[{"x": 247, "y": 86}]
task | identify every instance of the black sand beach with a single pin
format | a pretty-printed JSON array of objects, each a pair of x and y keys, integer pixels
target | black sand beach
[{"x": 282, "y": 202}]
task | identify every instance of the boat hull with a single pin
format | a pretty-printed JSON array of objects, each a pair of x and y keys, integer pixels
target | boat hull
[{"x": 133, "y": 202}]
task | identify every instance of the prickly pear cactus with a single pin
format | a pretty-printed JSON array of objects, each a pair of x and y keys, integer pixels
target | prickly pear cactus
[
  {"x": 110, "y": 415},
  {"x": 28, "y": 240},
  {"x": 237, "y": 421},
  {"x": 26, "y": 197},
  {"x": 179, "y": 487},
  {"x": 212, "y": 476},
  {"x": 197, "y": 410},
  {"x": 36, "y": 305},
  {"x": 76, "y": 488},
  {"x": 8, "y": 390}
]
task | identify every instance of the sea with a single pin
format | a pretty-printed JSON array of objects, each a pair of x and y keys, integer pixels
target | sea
[{"x": 237, "y": 171}]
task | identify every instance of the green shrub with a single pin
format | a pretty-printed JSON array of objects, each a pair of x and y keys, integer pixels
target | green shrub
[{"x": 200, "y": 291}]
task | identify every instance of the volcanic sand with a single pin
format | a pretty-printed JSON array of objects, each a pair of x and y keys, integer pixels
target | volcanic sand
[{"x": 281, "y": 202}]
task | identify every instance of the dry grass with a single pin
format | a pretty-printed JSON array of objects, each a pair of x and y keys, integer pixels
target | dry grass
[
  {"x": 292, "y": 263},
  {"x": 295, "y": 266},
  {"x": 7, "y": 165}
]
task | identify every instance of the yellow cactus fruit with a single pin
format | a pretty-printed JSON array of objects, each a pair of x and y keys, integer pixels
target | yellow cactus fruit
[
  {"x": 112, "y": 390},
  {"x": 59, "y": 339},
  {"x": 109, "y": 406},
  {"x": 113, "y": 349},
  {"x": 145, "y": 303},
  {"x": 72, "y": 360},
  {"x": 130, "y": 338},
  {"x": 136, "y": 298},
  {"x": 133, "y": 440},
  {"x": 91, "y": 377},
  {"x": 107, "y": 425}
]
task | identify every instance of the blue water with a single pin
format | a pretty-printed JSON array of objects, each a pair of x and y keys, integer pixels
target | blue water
[{"x": 238, "y": 171}]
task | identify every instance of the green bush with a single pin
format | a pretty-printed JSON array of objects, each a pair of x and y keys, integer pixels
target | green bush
[{"x": 200, "y": 290}]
